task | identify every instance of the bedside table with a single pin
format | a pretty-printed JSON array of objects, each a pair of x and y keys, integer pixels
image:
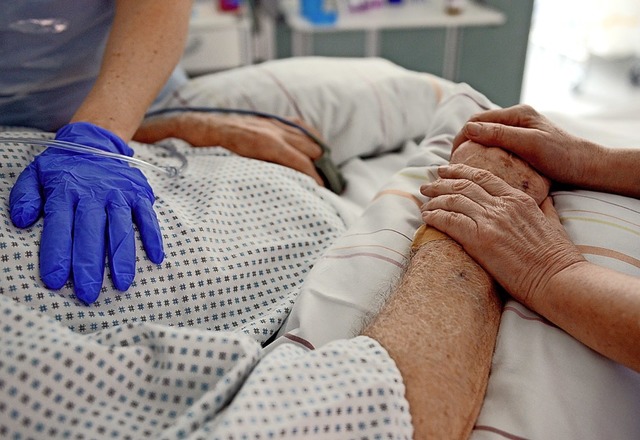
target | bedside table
[{"x": 408, "y": 15}]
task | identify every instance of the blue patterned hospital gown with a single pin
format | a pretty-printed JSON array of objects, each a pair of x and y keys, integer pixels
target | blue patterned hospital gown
[{"x": 179, "y": 354}]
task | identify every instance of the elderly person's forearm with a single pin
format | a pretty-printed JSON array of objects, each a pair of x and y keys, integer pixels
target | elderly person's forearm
[
  {"x": 598, "y": 306},
  {"x": 528, "y": 252},
  {"x": 441, "y": 323},
  {"x": 440, "y": 327}
]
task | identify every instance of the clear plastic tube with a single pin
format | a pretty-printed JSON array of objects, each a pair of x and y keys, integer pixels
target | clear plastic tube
[{"x": 171, "y": 171}]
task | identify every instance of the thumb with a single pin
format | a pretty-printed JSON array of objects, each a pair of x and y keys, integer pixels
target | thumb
[{"x": 25, "y": 200}]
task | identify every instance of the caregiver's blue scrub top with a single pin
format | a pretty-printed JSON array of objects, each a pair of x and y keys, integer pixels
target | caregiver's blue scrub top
[{"x": 50, "y": 55}]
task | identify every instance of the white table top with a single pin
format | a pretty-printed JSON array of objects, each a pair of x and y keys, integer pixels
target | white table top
[{"x": 411, "y": 14}]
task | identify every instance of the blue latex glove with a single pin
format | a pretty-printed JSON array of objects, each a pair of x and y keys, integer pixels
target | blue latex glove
[{"x": 87, "y": 202}]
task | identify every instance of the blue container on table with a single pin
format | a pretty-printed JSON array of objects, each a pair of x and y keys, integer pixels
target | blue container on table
[{"x": 315, "y": 12}]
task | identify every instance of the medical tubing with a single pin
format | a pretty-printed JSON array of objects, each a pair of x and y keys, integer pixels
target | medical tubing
[
  {"x": 171, "y": 171},
  {"x": 329, "y": 172}
]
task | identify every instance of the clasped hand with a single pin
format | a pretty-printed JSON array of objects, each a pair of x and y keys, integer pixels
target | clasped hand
[
  {"x": 497, "y": 208},
  {"x": 520, "y": 244},
  {"x": 89, "y": 204}
]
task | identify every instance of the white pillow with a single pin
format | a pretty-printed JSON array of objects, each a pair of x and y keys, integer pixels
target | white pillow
[{"x": 361, "y": 106}]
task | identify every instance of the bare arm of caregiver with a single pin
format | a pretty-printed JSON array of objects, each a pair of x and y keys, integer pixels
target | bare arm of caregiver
[
  {"x": 558, "y": 155},
  {"x": 144, "y": 46},
  {"x": 527, "y": 251},
  {"x": 248, "y": 136},
  {"x": 441, "y": 323}
]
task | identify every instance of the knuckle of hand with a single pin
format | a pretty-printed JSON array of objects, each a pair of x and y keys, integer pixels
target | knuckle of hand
[
  {"x": 522, "y": 198},
  {"x": 497, "y": 131},
  {"x": 480, "y": 176},
  {"x": 460, "y": 185},
  {"x": 528, "y": 112},
  {"x": 440, "y": 218},
  {"x": 449, "y": 201},
  {"x": 526, "y": 108}
]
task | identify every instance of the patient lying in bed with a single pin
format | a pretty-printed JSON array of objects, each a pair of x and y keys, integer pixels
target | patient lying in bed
[
  {"x": 180, "y": 353},
  {"x": 437, "y": 410}
]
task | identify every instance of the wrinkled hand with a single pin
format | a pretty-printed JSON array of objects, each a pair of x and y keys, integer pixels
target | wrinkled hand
[
  {"x": 506, "y": 166},
  {"x": 248, "y": 136},
  {"x": 520, "y": 244},
  {"x": 87, "y": 200},
  {"x": 523, "y": 131}
]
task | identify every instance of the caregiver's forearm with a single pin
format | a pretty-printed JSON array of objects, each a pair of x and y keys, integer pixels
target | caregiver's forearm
[
  {"x": 144, "y": 46},
  {"x": 598, "y": 306},
  {"x": 440, "y": 327},
  {"x": 615, "y": 170}
]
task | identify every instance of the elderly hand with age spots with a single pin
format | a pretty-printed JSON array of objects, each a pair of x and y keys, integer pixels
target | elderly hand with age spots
[
  {"x": 444, "y": 288},
  {"x": 496, "y": 206},
  {"x": 525, "y": 248},
  {"x": 559, "y": 155}
]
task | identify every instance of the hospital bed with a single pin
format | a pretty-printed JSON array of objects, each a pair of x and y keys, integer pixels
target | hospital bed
[{"x": 259, "y": 254}]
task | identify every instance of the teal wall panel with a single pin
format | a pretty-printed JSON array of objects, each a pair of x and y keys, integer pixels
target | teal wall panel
[
  {"x": 491, "y": 59},
  {"x": 415, "y": 49}
]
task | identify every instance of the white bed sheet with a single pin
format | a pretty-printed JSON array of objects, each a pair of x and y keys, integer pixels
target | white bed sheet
[{"x": 544, "y": 384}]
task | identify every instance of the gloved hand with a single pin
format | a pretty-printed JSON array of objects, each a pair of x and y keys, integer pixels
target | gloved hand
[{"x": 87, "y": 200}]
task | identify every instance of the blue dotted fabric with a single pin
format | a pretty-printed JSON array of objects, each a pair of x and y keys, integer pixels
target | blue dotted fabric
[
  {"x": 151, "y": 381},
  {"x": 179, "y": 354},
  {"x": 346, "y": 389},
  {"x": 240, "y": 236},
  {"x": 130, "y": 381}
]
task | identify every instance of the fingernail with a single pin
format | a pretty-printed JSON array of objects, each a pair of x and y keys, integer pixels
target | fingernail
[{"x": 473, "y": 128}]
